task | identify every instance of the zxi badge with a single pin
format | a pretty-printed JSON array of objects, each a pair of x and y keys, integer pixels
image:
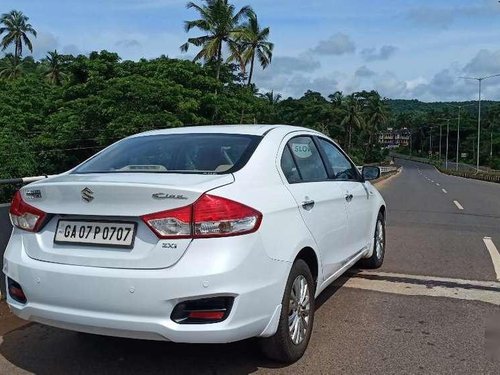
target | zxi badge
[{"x": 87, "y": 195}]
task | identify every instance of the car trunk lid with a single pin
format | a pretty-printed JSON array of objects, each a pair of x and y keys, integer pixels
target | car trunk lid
[{"x": 113, "y": 198}]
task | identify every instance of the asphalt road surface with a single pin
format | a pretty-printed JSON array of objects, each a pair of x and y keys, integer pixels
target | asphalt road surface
[{"x": 434, "y": 307}]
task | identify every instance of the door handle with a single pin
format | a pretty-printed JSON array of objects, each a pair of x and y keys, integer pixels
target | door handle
[
  {"x": 348, "y": 197},
  {"x": 308, "y": 205}
]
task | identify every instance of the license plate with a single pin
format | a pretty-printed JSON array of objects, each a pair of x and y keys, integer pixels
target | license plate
[{"x": 95, "y": 233}]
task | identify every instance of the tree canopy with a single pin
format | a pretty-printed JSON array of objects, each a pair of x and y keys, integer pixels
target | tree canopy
[{"x": 58, "y": 111}]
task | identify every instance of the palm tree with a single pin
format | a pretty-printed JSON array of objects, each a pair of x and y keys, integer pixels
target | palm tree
[
  {"x": 54, "y": 73},
  {"x": 16, "y": 28},
  {"x": 10, "y": 68},
  {"x": 272, "y": 98},
  {"x": 353, "y": 118},
  {"x": 218, "y": 21},
  {"x": 377, "y": 115},
  {"x": 337, "y": 99},
  {"x": 252, "y": 41}
]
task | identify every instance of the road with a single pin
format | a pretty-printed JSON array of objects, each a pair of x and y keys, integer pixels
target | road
[{"x": 426, "y": 311}]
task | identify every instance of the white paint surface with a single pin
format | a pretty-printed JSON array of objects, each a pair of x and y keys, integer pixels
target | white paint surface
[
  {"x": 495, "y": 255},
  {"x": 430, "y": 286}
]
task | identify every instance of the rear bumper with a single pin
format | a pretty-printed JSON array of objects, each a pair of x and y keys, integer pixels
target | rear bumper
[{"x": 138, "y": 303}]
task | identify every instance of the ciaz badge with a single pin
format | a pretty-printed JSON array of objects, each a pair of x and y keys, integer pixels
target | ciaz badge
[{"x": 168, "y": 196}]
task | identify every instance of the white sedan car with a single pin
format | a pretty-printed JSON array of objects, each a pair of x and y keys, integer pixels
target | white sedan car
[{"x": 196, "y": 235}]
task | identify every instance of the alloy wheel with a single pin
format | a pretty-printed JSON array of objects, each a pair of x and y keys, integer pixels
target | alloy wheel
[{"x": 299, "y": 310}]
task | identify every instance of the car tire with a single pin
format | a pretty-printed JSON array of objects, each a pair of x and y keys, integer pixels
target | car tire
[
  {"x": 377, "y": 258},
  {"x": 290, "y": 341}
]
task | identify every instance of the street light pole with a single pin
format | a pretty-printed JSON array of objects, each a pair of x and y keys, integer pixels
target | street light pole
[
  {"x": 411, "y": 144},
  {"x": 480, "y": 81},
  {"x": 491, "y": 146},
  {"x": 479, "y": 125},
  {"x": 458, "y": 136},
  {"x": 440, "y": 140},
  {"x": 430, "y": 143},
  {"x": 447, "y": 135}
]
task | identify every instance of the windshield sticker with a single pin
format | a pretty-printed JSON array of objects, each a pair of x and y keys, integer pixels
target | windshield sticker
[{"x": 301, "y": 150}]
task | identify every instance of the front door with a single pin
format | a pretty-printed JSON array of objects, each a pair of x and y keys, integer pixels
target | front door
[{"x": 356, "y": 197}]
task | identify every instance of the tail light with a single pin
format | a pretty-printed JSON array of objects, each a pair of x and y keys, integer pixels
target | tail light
[
  {"x": 171, "y": 224},
  {"x": 209, "y": 216},
  {"x": 24, "y": 216}
]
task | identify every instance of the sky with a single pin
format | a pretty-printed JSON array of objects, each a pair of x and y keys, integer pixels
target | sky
[{"x": 405, "y": 49}]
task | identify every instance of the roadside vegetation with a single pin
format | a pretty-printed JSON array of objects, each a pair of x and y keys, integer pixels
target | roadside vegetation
[{"x": 57, "y": 111}]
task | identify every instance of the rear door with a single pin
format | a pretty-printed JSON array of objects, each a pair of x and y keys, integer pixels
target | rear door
[
  {"x": 357, "y": 197},
  {"x": 320, "y": 200}
]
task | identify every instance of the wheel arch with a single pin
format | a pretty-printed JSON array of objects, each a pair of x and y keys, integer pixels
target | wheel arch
[
  {"x": 308, "y": 255},
  {"x": 382, "y": 210}
]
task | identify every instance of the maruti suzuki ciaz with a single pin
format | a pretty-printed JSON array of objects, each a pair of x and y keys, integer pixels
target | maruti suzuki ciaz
[{"x": 196, "y": 235}]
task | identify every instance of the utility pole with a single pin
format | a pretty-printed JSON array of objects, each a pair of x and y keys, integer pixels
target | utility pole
[
  {"x": 491, "y": 146},
  {"x": 440, "y": 140},
  {"x": 480, "y": 81},
  {"x": 458, "y": 137},
  {"x": 447, "y": 135},
  {"x": 430, "y": 143}
]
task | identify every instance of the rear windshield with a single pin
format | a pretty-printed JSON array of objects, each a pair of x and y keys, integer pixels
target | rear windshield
[{"x": 175, "y": 153}]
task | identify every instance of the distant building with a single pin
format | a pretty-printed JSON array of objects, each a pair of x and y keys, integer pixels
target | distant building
[{"x": 394, "y": 138}]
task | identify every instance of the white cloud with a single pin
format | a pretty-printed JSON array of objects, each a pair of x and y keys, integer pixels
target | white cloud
[
  {"x": 43, "y": 43},
  {"x": 389, "y": 85},
  {"x": 337, "y": 44},
  {"x": 484, "y": 63},
  {"x": 128, "y": 43},
  {"x": 286, "y": 64},
  {"x": 444, "y": 17},
  {"x": 384, "y": 53},
  {"x": 71, "y": 49},
  {"x": 364, "y": 72}
]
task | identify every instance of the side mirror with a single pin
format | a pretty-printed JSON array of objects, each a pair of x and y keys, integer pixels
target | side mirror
[{"x": 370, "y": 173}]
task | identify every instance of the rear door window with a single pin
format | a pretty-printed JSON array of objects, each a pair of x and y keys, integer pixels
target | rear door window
[{"x": 307, "y": 163}]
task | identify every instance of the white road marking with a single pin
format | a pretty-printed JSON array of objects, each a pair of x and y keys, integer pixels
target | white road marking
[
  {"x": 5, "y": 205},
  {"x": 495, "y": 255},
  {"x": 444, "y": 191},
  {"x": 459, "y": 206},
  {"x": 414, "y": 285},
  {"x": 437, "y": 184},
  {"x": 432, "y": 181}
]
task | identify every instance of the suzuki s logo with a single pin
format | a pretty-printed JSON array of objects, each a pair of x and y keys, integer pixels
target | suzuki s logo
[{"x": 87, "y": 195}]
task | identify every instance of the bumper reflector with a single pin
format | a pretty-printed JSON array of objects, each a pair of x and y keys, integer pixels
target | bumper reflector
[
  {"x": 202, "y": 311},
  {"x": 16, "y": 292}
]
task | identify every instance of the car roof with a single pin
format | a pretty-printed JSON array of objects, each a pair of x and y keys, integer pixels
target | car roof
[{"x": 224, "y": 129}]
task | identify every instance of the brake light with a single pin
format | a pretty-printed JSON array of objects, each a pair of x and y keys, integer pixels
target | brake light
[
  {"x": 216, "y": 216},
  {"x": 24, "y": 216},
  {"x": 209, "y": 216}
]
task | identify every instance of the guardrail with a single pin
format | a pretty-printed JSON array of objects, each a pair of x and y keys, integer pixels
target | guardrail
[
  {"x": 22, "y": 180},
  {"x": 388, "y": 169},
  {"x": 383, "y": 169},
  {"x": 492, "y": 176}
]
